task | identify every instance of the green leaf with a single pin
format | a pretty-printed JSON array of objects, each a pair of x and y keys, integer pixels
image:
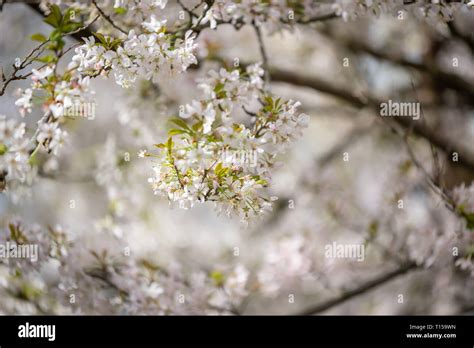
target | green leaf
[
  {"x": 38, "y": 37},
  {"x": 51, "y": 21},
  {"x": 16, "y": 234},
  {"x": 101, "y": 38},
  {"x": 197, "y": 126},
  {"x": 169, "y": 145},
  {"x": 56, "y": 45},
  {"x": 114, "y": 44},
  {"x": 467, "y": 215},
  {"x": 219, "y": 90},
  {"x": 55, "y": 17},
  {"x": 55, "y": 35},
  {"x": 120, "y": 10},
  {"x": 67, "y": 28},
  {"x": 470, "y": 220},
  {"x": 180, "y": 123},
  {"x": 218, "y": 278},
  {"x": 45, "y": 59},
  {"x": 29, "y": 292},
  {"x": 3, "y": 149},
  {"x": 172, "y": 132},
  {"x": 56, "y": 12},
  {"x": 220, "y": 170},
  {"x": 70, "y": 15}
]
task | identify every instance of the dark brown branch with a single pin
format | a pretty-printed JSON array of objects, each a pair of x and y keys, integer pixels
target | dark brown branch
[
  {"x": 28, "y": 60},
  {"x": 442, "y": 142},
  {"x": 445, "y": 79},
  {"x": 319, "y": 18},
  {"x": 365, "y": 287},
  {"x": 354, "y": 135},
  {"x": 466, "y": 38},
  {"x": 108, "y": 19},
  {"x": 263, "y": 53}
]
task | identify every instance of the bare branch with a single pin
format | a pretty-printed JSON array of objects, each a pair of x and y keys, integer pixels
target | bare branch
[
  {"x": 442, "y": 142},
  {"x": 28, "y": 60},
  {"x": 108, "y": 19},
  {"x": 444, "y": 79},
  {"x": 263, "y": 53},
  {"x": 359, "y": 290},
  {"x": 466, "y": 38}
]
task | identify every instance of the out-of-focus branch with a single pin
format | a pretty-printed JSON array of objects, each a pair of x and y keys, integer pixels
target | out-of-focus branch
[
  {"x": 359, "y": 290},
  {"x": 3, "y": 2},
  {"x": 65, "y": 178},
  {"x": 432, "y": 181},
  {"x": 442, "y": 142},
  {"x": 319, "y": 18},
  {"x": 466, "y": 38},
  {"x": 280, "y": 75},
  {"x": 429, "y": 179},
  {"x": 354, "y": 135},
  {"x": 263, "y": 53},
  {"x": 444, "y": 78}
]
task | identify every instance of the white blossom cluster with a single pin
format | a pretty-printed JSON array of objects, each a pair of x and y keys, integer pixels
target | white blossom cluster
[
  {"x": 464, "y": 200},
  {"x": 14, "y": 151},
  {"x": 273, "y": 14},
  {"x": 57, "y": 96},
  {"x": 110, "y": 283},
  {"x": 79, "y": 5},
  {"x": 142, "y": 55},
  {"x": 223, "y": 147},
  {"x": 465, "y": 245},
  {"x": 432, "y": 10},
  {"x": 190, "y": 167},
  {"x": 287, "y": 261},
  {"x": 143, "y": 5}
]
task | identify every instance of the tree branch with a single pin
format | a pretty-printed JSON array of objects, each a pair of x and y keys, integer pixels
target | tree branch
[
  {"x": 445, "y": 79},
  {"x": 108, "y": 19},
  {"x": 263, "y": 53},
  {"x": 365, "y": 287},
  {"x": 442, "y": 142},
  {"x": 466, "y": 38}
]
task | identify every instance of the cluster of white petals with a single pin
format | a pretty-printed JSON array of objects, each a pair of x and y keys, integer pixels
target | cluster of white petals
[
  {"x": 14, "y": 151},
  {"x": 50, "y": 280},
  {"x": 142, "y": 56},
  {"x": 286, "y": 262},
  {"x": 430, "y": 10},
  {"x": 212, "y": 157}
]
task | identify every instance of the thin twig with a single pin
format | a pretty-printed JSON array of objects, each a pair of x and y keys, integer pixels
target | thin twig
[
  {"x": 361, "y": 289},
  {"x": 108, "y": 19},
  {"x": 263, "y": 53},
  {"x": 29, "y": 59}
]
